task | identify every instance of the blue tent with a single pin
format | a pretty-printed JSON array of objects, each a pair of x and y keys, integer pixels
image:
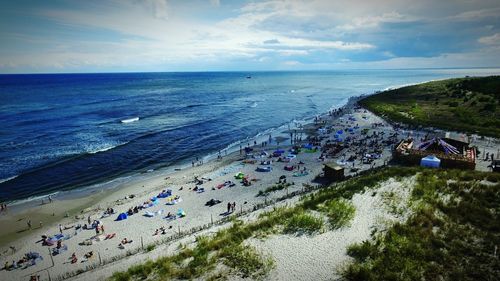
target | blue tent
[
  {"x": 121, "y": 217},
  {"x": 430, "y": 161},
  {"x": 307, "y": 146}
]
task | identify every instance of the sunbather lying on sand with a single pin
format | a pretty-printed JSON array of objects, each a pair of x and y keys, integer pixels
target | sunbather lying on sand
[{"x": 124, "y": 241}]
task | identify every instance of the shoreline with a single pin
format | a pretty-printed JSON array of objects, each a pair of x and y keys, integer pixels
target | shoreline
[
  {"x": 138, "y": 227},
  {"x": 90, "y": 199},
  {"x": 106, "y": 184}
]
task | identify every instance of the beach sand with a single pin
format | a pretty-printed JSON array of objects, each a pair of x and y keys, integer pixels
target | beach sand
[{"x": 140, "y": 229}]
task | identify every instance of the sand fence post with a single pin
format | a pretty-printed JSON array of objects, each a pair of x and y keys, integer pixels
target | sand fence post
[
  {"x": 100, "y": 260},
  {"x": 179, "y": 229},
  {"x": 211, "y": 219},
  {"x": 51, "y": 257},
  {"x": 48, "y": 274},
  {"x": 142, "y": 243}
]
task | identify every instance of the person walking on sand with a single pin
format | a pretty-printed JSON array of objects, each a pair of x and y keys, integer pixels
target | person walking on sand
[
  {"x": 29, "y": 224},
  {"x": 228, "y": 207},
  {"x": 233, "y": 207},
  {"x": 60, "y": 228},
  {"x": 89, "y": 220}
]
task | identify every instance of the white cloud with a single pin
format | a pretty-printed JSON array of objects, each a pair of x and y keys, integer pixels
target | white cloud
[
  {"x": 293, "y": 52},
  {"x": 159, "y": 8},
  {"x": 490, "y": 40},
  {"x": 315, "y": 44},
  {"x": 477, "y": 14},
  {"x": 152, "y": 32}
]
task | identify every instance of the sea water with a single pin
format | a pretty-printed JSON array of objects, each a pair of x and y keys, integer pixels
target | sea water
[{"x": 70, "y": 131}]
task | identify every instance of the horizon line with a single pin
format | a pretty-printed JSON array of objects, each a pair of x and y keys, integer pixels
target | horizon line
[{"x": 246, "y": 71}]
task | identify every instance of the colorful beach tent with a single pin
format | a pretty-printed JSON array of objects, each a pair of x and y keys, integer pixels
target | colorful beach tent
[
  {"x": 430, "y": 161},
  {"x": 121, "y": 216}
]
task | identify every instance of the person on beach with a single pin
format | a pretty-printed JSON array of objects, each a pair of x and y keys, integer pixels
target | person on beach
[
  {"x": 228, "y": 207},
  {"x": 233, "y": 207},
  {"x": 29, "y": 224},
  {"x": 89, "y": 220},
  {"x": 60, "y": 228}
]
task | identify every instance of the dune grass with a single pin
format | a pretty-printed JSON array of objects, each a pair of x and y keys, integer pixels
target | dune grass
[
  {"x": 451, "y": 235},
  {"x": 339, "y": 212},
  {"x": 302, "y": 222},
  {"x": 273, "y": 188},
  {"x": 226, "y": 247}
]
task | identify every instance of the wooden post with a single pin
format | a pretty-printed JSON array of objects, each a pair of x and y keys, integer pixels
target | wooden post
[
  {"x": 142, "y": 243},
  {"x": 51, "y": 257},
  {"x": 211, "y": 219},
  {"x": 100, "y": 260},
  {"x": 179, "y": 229}
]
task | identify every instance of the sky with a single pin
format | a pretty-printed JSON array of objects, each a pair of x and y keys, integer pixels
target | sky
[{"x": 54, "y": 36}]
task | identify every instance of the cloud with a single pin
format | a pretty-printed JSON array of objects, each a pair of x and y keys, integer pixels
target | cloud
[
  {"x": 477, "y": 14},
  {"x": 151, "y": 34},
  {"x": 159, "y": 8},
  {"x": 316, "y": 44},
  {"x": 490, "y": 40},
  {"x": 271, "y": 41}
]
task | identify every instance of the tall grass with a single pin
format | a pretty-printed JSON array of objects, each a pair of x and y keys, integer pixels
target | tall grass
[
  {"x": 443, "y": 239},
  {"x": 226, "y": 246},
  {"x": 302, "y": 222},
  {"x": 339, "y": 212}
]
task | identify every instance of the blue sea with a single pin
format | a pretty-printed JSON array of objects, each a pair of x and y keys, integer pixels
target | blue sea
[{"x": 64, "y": 132}]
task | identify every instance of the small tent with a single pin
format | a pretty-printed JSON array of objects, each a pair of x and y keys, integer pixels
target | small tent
[
  {"x": 430, "y": 161},
  {"x": 121, "y": 217}
]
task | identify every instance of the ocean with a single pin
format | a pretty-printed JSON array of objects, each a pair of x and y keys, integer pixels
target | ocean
[{"x": 63, "y": 132}]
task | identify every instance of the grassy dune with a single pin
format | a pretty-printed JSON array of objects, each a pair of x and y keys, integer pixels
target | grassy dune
[
  {"x": 450, "y": 236},
  {"x": 462, "y": 104}
]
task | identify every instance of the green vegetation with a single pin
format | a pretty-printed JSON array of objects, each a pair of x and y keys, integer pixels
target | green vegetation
[
  {"x": 339, "y": 211},
  {"x": 435, "y": 242},
  {"x": 276, "y": 187},
  {"x": 451, "y": 235},
  {"x": 227, "y": 247},
  {"x": 303, "y": 222},
  {"x": 462, "y": 104}
]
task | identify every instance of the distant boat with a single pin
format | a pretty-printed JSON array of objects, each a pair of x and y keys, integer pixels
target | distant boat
[
  {"x": 130, "y": 120},
  {"x": 249, "y": 77}
]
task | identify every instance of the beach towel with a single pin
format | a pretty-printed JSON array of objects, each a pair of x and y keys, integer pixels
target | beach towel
[
  {"x": 264, "y": 169},
  {"x": 301, "y": 174},
  {"x": 149, "y": 214}
]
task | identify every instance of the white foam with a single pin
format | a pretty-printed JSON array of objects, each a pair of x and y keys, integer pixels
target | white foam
[
  {"x": 130, "y": 120},
  {"x": 8, "y": 179}
]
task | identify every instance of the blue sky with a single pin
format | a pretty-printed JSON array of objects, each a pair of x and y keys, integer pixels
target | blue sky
[{"x": 204, "y": 35}]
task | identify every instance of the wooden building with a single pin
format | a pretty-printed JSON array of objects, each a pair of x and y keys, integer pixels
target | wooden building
[{"x": 333, "y": 172}]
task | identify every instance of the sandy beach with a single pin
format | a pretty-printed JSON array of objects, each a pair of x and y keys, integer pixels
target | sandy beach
[{"x": 17, "y": 239}]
